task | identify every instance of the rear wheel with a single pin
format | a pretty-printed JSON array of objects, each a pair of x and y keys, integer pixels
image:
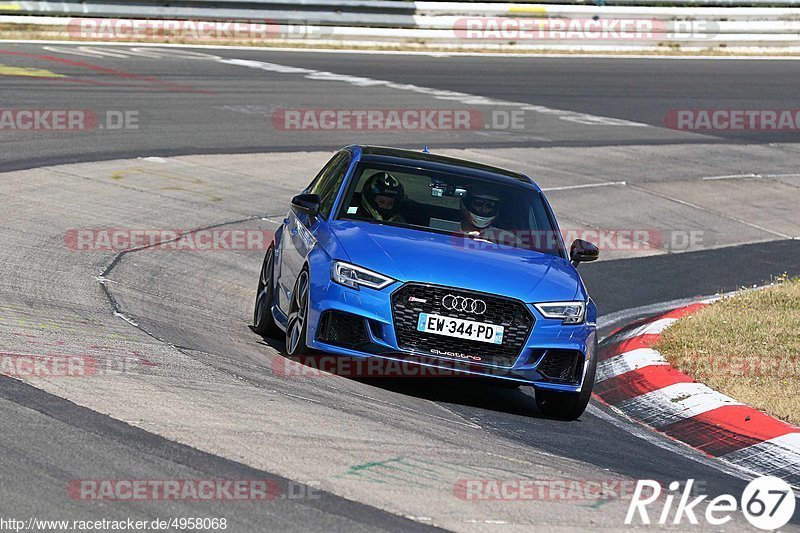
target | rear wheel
[
  {"x": 298, "y": 317},
  {"x": 567, "y": 405},
  {"x": 263, "y": 321}
]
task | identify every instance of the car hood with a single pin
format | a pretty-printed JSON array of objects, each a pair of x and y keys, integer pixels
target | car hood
[{"x": 414, "y": 255}]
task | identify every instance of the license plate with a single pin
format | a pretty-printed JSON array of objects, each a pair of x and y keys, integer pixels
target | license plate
[{"x": 462, "y": 329}]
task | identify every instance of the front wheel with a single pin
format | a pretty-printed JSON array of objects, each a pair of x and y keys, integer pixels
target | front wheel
[
  {"x": 298, "y": 317},
  {"x": 561, "y": 405},
  {"x": 567, "y": 405}
]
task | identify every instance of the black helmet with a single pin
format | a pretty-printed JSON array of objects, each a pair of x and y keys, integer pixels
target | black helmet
[
  {"x": 478, "y": 195},
  {"x": 382, "y": 184}
]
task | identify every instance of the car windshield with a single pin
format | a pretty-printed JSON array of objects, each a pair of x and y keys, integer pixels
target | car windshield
[{"x": 481, "y": 212}]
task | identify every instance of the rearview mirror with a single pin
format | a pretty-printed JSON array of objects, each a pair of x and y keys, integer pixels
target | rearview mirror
[
  {"x": 582, "y": 252},
  {"x": 307, "y": 204}
]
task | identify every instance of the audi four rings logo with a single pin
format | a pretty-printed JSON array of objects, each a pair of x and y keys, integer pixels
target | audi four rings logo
[{"x": 461, "y": 303}]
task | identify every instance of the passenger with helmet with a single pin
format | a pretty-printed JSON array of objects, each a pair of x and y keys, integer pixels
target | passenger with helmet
[{"x": 382, "y": 198}]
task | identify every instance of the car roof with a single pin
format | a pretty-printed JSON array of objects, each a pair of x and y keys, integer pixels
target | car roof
[{"x": 398, "y": 156}]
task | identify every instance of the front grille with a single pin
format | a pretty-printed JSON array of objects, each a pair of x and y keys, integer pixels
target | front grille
[
  {"x": 562, "y": 365},
  {"x": 341, "y": 329},
  {"x": 511, "y": 314}
]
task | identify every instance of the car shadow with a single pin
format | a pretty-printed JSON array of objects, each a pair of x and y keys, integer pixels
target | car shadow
[
  {"x": 473, "y": 392},
  {"x": 277, "y": 345},
  {"x": 467, "y": 391}
]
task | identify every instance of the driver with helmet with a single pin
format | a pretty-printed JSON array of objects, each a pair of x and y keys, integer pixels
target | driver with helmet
[
  {"x": 382, "y": 198},
  {"x": 479, "y": 208}
]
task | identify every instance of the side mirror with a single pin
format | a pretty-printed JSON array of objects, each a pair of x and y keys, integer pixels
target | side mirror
[
  {"x": 582, "y": 252},
  {"x": 307, "y": 204}
]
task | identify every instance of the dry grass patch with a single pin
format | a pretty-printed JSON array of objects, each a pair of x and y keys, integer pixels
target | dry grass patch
[{"x": 747, "y": 347}]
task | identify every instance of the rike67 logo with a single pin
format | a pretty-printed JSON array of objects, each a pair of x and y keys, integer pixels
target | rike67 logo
[{"x": 767, "y": 503}]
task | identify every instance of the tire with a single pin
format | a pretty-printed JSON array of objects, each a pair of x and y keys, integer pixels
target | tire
[
  {"x": 263, "y": 321},
  {"x": 567, "y": 405},
  {"x": 298, "y": 317}
]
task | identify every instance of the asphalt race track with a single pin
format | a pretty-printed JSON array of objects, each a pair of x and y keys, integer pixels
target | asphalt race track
[
  {"x": 189, "y": 392},
  {"x": 200, "y": 105}
]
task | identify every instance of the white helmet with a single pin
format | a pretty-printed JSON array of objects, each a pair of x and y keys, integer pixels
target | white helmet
[{"x": 478, "y": 198}]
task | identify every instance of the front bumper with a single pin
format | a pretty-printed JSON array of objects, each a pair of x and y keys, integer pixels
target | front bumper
[{"x": 363, "y": 326}]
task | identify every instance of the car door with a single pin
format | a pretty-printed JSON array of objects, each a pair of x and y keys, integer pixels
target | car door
[{"x": 298, "y": 229}]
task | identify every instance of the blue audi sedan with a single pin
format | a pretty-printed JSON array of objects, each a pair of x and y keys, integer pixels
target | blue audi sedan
[{"x": 433, "y": 261}]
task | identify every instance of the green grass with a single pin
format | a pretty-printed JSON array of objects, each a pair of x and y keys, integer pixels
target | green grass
[{"x": 746, "y": 346}]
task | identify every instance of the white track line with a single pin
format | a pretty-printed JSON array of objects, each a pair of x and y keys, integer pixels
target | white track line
[
  {"x": 707, "y": 210},
  {"x": 585, "y": 119},
  {"x": 585, "y": 186},
  {"x": 312, "y": 50},
  {"x": 731, "y": 177}
]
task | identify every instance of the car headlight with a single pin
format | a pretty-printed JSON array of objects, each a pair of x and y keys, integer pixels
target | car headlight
[
  {"x": 355, "y": 276},
  {"x": 568, "y": 312}
]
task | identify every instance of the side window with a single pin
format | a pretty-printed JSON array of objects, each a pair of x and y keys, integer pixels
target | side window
[
  {"x": 329, "y": 166},
  {"x": 327, "y": 184}
]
